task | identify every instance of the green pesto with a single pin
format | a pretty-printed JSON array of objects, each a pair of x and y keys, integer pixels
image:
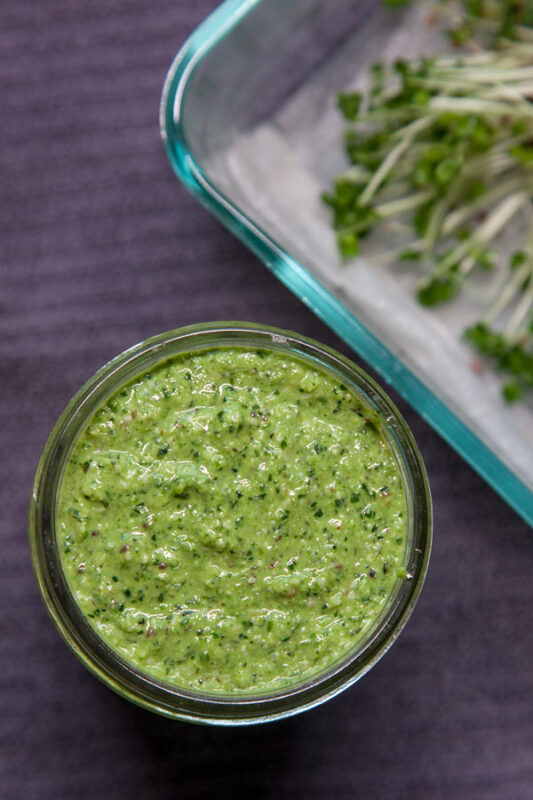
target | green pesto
[{"x": 232, "y": 521}]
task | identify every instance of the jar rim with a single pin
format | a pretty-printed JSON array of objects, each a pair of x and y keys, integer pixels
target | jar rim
[{"x": 121, "y": 675}]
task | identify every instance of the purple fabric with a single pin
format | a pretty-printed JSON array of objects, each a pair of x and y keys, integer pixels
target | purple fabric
[{"x": 101, "y": 247}]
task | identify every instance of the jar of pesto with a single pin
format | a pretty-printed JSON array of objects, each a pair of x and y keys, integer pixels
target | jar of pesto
[{"x": 230, "y": 523}]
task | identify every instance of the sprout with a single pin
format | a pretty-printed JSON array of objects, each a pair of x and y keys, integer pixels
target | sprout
[{"x": 444, "y": 148}]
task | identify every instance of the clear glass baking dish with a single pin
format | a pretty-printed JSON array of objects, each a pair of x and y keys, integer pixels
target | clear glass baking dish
[{"x": 250, "y": 126}]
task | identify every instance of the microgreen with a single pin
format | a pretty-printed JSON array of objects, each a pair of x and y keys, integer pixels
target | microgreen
[{"x": 443, "y": 149}]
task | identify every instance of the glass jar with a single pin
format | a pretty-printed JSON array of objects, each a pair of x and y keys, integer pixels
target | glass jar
[{"x": 108, "y": 665}]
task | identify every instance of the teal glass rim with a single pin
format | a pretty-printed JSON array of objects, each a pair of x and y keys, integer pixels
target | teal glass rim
[
  {"x": 122, "y": 676},
  {"x": 297, "y": 278}
]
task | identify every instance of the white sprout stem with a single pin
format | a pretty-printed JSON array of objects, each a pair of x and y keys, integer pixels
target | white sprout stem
[
  {"x": 475, "y": 106},
  {"x": 461, "y": 215},
  {"x": 395, "y": 190},
  {"x": 496, "y": 90},
  {"x": 417, "y": 247},
  {"x": 397, "y": 226},
  {"x": 512, "y": 329},
  {"x": 499, "y": 217},
  {"x": 383, "y": 115},
  {"x": 514, "y": 93},
  {"x": 435, "y": 223},
  {"x": 467, "y": 264},
  {"x": 455, "y": 255},
  {"x": 512, "y": 52},
  {"x": 403, "y": 204},
  {"x": 409, "y": 133},
  {"x": 505, "y": 144},
  {"x": 356, "y": 174},
  {"x": 438, "y": 216},
  {"x": 446, "y": 86},
  {"x": 474, "y": 59},
  {"x": 486, "y": 74},
  {"x": 507, "y": 294},
  {"x": 490, "y": 165},
  {"x": 525, "y": 305}
]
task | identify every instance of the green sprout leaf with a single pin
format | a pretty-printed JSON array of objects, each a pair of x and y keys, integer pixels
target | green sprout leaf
[
  {"x": 442, "y": 159},
  {"x": 349, "y": 104},
  {"x": 438, "y": 289}
]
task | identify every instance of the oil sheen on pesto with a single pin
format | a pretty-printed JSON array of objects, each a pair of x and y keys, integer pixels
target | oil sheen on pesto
[{"x": 232, "y": 521}]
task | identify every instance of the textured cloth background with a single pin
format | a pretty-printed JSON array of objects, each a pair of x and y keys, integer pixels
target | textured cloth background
[{"x": 101, "y": 247}]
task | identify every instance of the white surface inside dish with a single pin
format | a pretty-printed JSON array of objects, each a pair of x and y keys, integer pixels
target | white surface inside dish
[{"x": 277, "y": 173}]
